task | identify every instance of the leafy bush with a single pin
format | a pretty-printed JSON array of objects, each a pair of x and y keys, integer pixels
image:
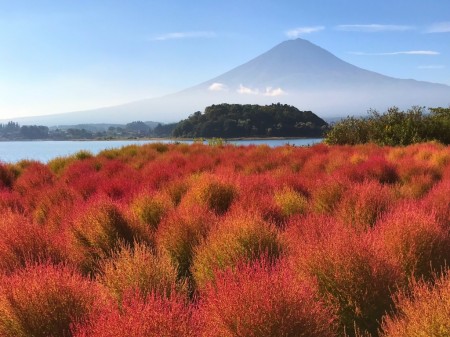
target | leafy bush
[
  {"x": 138, "y": 270},
  {"x": 241, "y": 237},
  {"x": 97, "y": 232},
  {"x": 234, "y": 305},
  {"x": 351, "y": 274},
  {"x": 424, "y": 313},
  {"x": 138, "y": 317},
  {"x": 181, "y": 232},
  {"x": 393, "y": 128},
  {"x": 151, "y": 209},
  {"x": 45, "y": 300},
  {"x": 22, "y": 243},
  {"x": 415, "y": 240}
]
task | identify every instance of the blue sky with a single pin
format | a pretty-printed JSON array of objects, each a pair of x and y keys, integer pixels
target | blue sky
[{"x": 65, "y": 55}]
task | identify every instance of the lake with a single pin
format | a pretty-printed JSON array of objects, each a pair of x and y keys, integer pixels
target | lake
[{"x": 46, "y": 150}]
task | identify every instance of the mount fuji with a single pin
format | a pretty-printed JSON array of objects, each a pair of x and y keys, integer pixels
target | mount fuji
[{"x": 295, "y": 72}]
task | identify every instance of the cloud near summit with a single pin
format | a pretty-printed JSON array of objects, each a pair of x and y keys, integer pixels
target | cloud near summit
[
  {"x": 373, "y": 28},
  {"x": 184, "y": 35},
  {"x": 271, "y": 92},
  {"x": 296, "y": 32},
  {"x": 218, "y": 87}
]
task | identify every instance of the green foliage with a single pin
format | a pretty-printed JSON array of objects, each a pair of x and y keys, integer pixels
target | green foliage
[
  {"x": 236, "y": 120},
  {"x": 392, "y": 128}
]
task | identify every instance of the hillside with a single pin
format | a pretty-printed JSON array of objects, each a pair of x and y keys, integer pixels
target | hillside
[
  {"x": 236, "y": 120},
  {"x": 295, "y": 72}
]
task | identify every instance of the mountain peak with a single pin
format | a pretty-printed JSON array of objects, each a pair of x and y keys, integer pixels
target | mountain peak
[{"x": 295, "y": 72}]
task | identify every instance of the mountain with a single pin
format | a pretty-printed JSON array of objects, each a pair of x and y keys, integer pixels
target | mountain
[{"x": 295, "y": 72}]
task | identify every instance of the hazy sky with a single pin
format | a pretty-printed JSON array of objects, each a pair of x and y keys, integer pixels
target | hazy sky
[{"x": 67, "y": 55}]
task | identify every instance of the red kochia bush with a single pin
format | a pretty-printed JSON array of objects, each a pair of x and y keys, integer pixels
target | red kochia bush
[
  {"x": 363, "y": 204},
  {"x": 138, "y": 270},
  {"x": 415, "y": 240},
  {"x": 97, "y": 232},
  {"x": 424, "y": 313},
  {"x": 374, "y": 168},
  {"x": 6, "y": 177},
  {"x": 181, "y": 232},
  {"x": 22, "y": 242},
  {"x": 261, "y": 300},
  {"x": 34, "y": 179},
  {"x": 138, "y": 317},
  {"x": 351, "y": 274},
  {"x": 213, "y": 192},
  {"x": 45, "y": 300},
  {"x": 241, "y": 237}
]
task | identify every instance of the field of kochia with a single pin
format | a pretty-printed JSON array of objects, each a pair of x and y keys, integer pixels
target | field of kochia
[{"x": 198, "y": 240}]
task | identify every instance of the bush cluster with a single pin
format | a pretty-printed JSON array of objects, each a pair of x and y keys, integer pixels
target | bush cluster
[
  {"x": 198, "y": 240},
  {"x": 394, "y": 127}
]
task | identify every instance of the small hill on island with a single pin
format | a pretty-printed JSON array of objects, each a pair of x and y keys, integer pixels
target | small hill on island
[{"x": 251, "y": 120}]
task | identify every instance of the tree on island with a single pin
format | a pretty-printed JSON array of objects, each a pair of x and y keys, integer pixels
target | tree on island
[{"x": 237, "y": 120}]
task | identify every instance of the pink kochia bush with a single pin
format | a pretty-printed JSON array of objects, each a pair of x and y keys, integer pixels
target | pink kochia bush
[
  {"x": 233, "y": 305},
  {"x": 198, "y": 240}
]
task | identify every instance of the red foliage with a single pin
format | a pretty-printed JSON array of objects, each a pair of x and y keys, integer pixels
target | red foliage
[
  {"x": 360, "y": 221},
  {"x": 263, "y": 300},
  {"x": 22, "y": 242},
  {"x": 138, "y": 317},
  {"x": 415, "y": 240},
  {"x": 350, "y": 272},
  {"x": 45, "y": 300}
]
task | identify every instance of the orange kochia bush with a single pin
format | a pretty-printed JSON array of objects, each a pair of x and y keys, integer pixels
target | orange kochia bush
[{"x": 192, "y": 240}]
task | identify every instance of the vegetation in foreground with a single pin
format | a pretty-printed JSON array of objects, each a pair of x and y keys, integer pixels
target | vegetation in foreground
[{"x": 197, "y": 240}]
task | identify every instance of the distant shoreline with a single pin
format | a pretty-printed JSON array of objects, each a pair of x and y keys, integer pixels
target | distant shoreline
[{"x": 154, "y": 139}]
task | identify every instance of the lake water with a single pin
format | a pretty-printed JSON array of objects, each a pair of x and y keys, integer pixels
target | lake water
[{"x": 46, "y": 150}]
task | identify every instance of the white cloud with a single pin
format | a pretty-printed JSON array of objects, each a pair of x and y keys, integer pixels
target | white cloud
[
  {"x": 296, "y": 32},
  {"x": 274, "y": 92},
  {"x": 247, "y": 91},
  {"x": 184, "y": 35},
  {"x": 373, "y": 28},
  {"x": 218, "y": 87},
  {"x": 432, "y": 66},
  {"x": 440, "y": 27},
  {"x": 408, "y": 52}
]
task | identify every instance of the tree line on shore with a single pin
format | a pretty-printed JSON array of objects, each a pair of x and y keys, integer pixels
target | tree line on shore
[
  {"x": 136, "y": 129},
  {"x": 393, "y": 128}
]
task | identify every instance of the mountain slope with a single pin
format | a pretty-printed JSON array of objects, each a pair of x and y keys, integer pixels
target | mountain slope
[{"x": 295, "y": 72}]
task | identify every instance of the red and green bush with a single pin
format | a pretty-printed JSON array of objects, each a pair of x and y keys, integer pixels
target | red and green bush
[
  {"x": 142, "y": 317},
  {"x": 192, "y": 240},
  {"x": 263, "y": 299},
  {"x": 46, "y": 300},
  {"x": 422, "y": 311}
]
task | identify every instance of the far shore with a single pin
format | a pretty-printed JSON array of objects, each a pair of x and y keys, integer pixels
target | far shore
[{"x": 155, "y": 139}]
